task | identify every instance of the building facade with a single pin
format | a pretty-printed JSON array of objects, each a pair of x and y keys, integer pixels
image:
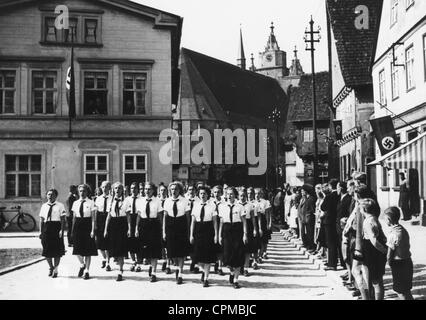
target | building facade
[
  {"x": 125, "y": 60},
  {"x": 399, "y": 75},
  {"x": 351, "y": 54}
]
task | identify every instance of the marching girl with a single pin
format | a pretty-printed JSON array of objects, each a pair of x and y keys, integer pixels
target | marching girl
[
  {"x": 117, "y": 227},
  {"x": 133, "y": 241},
  {"x": 250, "y": 217},
  {"x": 102, "y": 204},
  {"x": 162, "y": 196},
  {"x": 204, "y": 233},
  {"x": 193, "y": 199},
  {"x": 176, "y": 227},
  {"x": 256, "y": 237},
  {"x": 148, "y": 228},
  {"x": 264, "y": 221},
  {"x": 84, "y": 230},
  {"x": 234, "y": 228},
  {"x": 52, "y": 225},
  {"x": 217, "y": 200}
]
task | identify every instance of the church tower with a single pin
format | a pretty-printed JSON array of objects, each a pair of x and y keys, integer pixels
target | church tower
[
  {"x": 241, "y": 61},
  {"x": 296, "y": 68},
  {"x": 273, "y": 61}
]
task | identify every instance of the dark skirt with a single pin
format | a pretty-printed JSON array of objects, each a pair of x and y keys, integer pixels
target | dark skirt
[
  {"x": 133, "y": 244},
  {"x": 150, "y": 238},
  {"x": 233, "y": 245},
  {"x": 117, "y": 237},
  {"x": 374, "y": 260},
  {"x": 252, "y": 242},
  {"x": 266, "y": 233},
  {"x": 177, "y": 240},
  {"x": 204, "y": 246},
  {"x": 53, "y": 245},
  {"x": 101, "y": 242},
  {"x": 402, "y": 274},
  {"x": 84, "y": 245}
]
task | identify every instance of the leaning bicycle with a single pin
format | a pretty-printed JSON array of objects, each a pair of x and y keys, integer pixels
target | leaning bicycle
[{"x": 25, "y": 221}]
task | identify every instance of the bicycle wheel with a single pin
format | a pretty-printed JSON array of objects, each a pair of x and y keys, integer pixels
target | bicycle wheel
[{"x": 26, "y": 222}]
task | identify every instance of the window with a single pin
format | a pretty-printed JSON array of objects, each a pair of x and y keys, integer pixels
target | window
[
  {"x": 409, "y": 4},
  {"x": 394, "y": 12},
  {"x": 134, "y": 168},
  {"x": 44, "y": 92},
  {"x": 134, "y": 93},
  {"x": 308, "y": 135},
  {"x": 413, "y": 134},
  {"x": 7, "y": 91},
  {"x": 96, "y": 169},
  {"x": 395, "y": 81},
  {"x": 409, "y": 63},
  {"x": 23, "y": 175},
  {"x": 95, "y": 93},
  {"x": 382, "y": 88},
  {"x": 385, "y": 182},
  {"x": 82, "y": 30}
]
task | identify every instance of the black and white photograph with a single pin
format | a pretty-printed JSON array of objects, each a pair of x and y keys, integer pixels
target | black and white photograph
[{"x": 226, "y": 152}]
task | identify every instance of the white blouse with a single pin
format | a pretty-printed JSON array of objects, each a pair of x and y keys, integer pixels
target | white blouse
[
  {"x": 100, "y": 201},
  {"x": 154, "y": 207},
  {"x": 209, "y": 211},
  {"x": 262, "y": 205},
  {"x": 88, "y": 208},
  {"x": 249, "y": 207},
  {"x": 58, "y": 211},
  {"x": 123, "y": 208},
  {"x": 215, "y": 202},
  {"x": 128, "y": 203},
  {"x": 183, "y": 206},
  {"x": 237, "y": 212}
]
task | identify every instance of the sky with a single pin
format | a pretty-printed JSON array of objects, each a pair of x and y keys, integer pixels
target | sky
[{"x": 213, "y": 27}]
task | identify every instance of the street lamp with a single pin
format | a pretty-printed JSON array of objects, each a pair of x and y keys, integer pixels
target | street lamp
[
  {"x": 310, "y": 46},
  {"x": 275, "y": 117}
]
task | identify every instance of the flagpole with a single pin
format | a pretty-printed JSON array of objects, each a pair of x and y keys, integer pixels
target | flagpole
[{"x": 72, "y": 87}]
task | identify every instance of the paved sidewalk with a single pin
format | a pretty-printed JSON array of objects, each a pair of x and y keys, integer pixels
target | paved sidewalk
[{"x": 287, "y": 275}]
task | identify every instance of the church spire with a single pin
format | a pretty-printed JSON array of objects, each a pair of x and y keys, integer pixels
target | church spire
[
  {"x": 272, "y": 41},
  {"x": 296, "y": 68},
  {"x": 241, "y": 60},
  {"x": 252, "y": 68}
]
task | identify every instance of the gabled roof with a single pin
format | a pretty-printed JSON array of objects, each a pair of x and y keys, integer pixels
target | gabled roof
[
  {"x": 355, "y": 47},
  {"x": 222, "y": 89},
  {"x": 300, "y": 104}
]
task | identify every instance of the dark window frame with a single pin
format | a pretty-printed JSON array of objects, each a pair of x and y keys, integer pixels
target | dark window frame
[
  {"x": 18, "y": 172},
  {"x": 4, "y": 89}
]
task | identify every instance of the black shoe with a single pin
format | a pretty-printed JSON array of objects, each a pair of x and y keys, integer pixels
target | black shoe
[
  {"x": 51, "y": 272},
  {"x": 246, "y": 273},
  {"x": 153, "y": 278},
  {"x": 138, "y": 269},
  {"x": 196, "y": 270},
  {"x": 163, "y": 268},
  {"x": 330, "y": 268},
  {"x": 356, "y": 293},
  {"x": 345, "y": 276},
  {"x": 231, "y": 278},
  {"x": 81, "y": 271},
  {"x": 149, "y": 271},
  {"x": 108, "y": 268},
  {"x": 177, "y": 274},
  {"x": 119, "y": 277},
  {"x": 265, "y": 256},
  {"x": 206, "y": 284},
  {"x": 202, "y": 276},
  {"x": 86, "y": 276},
  {"x": 55, "y": 275},
  {"x": 103, "y": 264},
  {"x": 132, "y": 268},
  {"x": 255, "y": 266},
  {"x": 168, "y": 271},
  {"x": 220, "y": 272},
  {"x": 237, "y": 285},
  {"x": 179, "y": 280}
]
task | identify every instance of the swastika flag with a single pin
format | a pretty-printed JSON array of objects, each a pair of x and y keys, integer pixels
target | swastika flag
[{"x": 385, "y": 134}]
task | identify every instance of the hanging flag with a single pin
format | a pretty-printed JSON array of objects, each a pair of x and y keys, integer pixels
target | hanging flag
[
  {"x": 70, "y": 85},
  {"x": 385, "y": 134},
  {"x": 338, "y": 129}
]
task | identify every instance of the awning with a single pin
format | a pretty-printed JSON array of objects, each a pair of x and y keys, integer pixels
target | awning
[{"x": 411, "y": 155}]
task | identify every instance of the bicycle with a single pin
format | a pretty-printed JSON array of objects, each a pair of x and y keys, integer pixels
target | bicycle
[{"x": 25, "y": 221}]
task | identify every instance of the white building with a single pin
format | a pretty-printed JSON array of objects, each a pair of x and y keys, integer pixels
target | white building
[{"x": 399, "y": 76}]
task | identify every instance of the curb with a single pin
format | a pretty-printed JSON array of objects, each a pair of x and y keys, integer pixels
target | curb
[
  {"x": 22, "y": 265},
  {"x": 19, "y": 235}
]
